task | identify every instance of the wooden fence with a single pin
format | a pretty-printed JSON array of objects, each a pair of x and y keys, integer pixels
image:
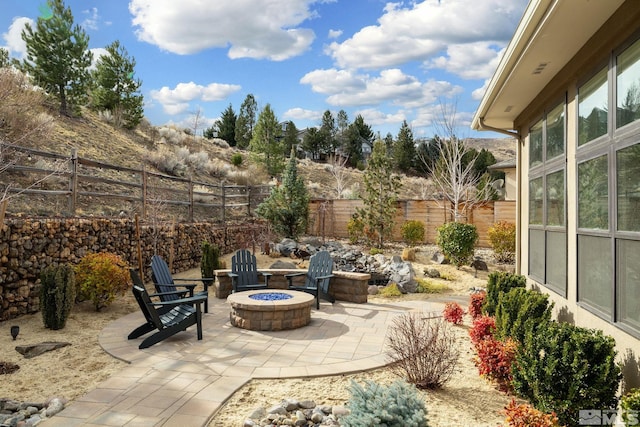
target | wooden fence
[
  {"x": 329, "y": 218},
  {"x": 44, "y": 183}
]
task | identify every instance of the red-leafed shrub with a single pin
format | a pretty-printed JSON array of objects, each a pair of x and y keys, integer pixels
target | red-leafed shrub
[
  {"x": 525, "y": 415},
  {"x": 483, "y": 327},
  {"x": 494, "y": 359},
  {"x": 453, "y": 313},
  {"x": 475, "y": 304}
]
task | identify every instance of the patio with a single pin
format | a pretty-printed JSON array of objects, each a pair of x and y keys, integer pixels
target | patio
[{"x": 183, "y": 381}]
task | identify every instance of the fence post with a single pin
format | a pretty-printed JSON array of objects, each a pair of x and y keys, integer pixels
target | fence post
[
  {"x": 73, "y": 181},
  {"x": 224, "y": 203},
  {"x": 144, "y": 192},
  {"x": 190, "y": 200}
]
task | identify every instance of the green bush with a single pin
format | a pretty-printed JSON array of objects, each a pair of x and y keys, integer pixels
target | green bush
[
  {"x": 564, "y": 368},
  {"x": 100, "y": 277},
  {"x": 630, "y": 405},
  {"x": 57, "y": 295},
  {"x": 457, "y": 241},
  {"x": 497, "y": 283},
  {"x": 502, "y": 237},
  {"x": 515, "y": 308},
  {"x": 210, "y": 260},
  {"x": 355, "y": 228},
  {"x": 236, "y": 159},
  {"x": 412, "y": 232},
  {"x": 391, "y": 290},
  {"x": 373, "y": 405}
]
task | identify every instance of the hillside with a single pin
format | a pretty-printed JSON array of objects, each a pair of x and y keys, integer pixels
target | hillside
[{"x": 174, "y": 151}]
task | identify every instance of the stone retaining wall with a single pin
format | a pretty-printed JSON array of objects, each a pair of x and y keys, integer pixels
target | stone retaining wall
[
  {"x": 345, "y": 285},
  {"x": 29, "y": 245}
]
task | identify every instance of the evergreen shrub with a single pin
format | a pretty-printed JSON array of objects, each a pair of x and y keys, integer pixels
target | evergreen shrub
[
  {"x": 563, "y": 368},
  {"x": 630, "y": 405},
  {"x": 100, "y": 276},
  {"x": 355, "y": 228},
  {"x": 210, "y": 261},
  {"x": 374, "y": 405},
  {"x": 457, "y": 241},
  {"x": 518, "y": 306},
  {"x": 236, "y": 159},
  {"x": 498, "y": 282},
  {"x": 57, "y": 295},
  {"x": 502, "y": 237},
  {"x": 412, "y": 232}
]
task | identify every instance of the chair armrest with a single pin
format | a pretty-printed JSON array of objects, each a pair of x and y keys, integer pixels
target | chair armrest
[
  {"x": 302, "y": 273},
  {"x": 265, "y": 274},
  {"x": 161, "y": 294},
  {"x": 199, "y": 280},
  {"x": 329, "y": 276},
  {"x": 232, "y": 275},
  {"x": 198, "y": 299}
]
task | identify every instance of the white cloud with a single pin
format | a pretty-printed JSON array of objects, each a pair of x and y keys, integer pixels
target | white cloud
[
  {"x": 422, "y": 30},
  {"x": 334, "y": 34},
  {"x": 301, "y": 114},
  {"x": 470, "y": 61},
  {"x": 477, "y": 94},
  {"x": 91, "y": 21},
  {"x": 248, "y": 28},
  {"x": 176, "y": 101},
  {"x": 376, "y": 117},
  {"x": 346, "y": 88},
  {"x": 13, "y": 39}
]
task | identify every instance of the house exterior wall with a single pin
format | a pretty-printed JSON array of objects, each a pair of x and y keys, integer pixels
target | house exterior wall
[{"x": 622, "y": 27}]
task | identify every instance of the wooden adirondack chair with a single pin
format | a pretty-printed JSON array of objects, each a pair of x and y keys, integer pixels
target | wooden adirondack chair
[
  {"x": 317, "y": 277},
  {"x": 166, "y": 284},
  {"x": 181, "y": 314},
  {"x": 244, "y": 272}
]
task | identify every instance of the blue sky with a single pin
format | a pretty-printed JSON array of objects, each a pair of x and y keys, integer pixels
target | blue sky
[{"x": 388, "y": 62}]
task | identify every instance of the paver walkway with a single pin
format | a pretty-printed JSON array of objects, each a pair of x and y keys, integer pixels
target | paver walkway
[{"x": 182, "y": 381}]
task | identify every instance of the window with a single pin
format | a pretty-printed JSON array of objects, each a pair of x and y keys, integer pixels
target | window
[
  {"x": 547, "y": 234},
  {"x": 608, "y": 191},
  {"x": 628, "y": 85},
  {"x": 592, "y": 108}
]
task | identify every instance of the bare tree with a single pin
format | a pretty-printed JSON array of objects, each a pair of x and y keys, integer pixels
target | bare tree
[
  {"x": 453, "y": 175},
  {"x": 337, "y": 169},
  {"x": 195, "y": 122}
]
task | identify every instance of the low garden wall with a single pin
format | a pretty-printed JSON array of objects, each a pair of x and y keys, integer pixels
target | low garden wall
[
  {"x": 29, "y": 245},
  {"x": 345, "y": 285}
]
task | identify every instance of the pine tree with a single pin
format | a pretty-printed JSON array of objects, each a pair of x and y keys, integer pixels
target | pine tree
[
  {"x": 312, "y": 142},
  {"x": 358, "y": 133},
  {"x": 58, "y": 57},
  {"x": 225, "y": 126},
  {"x": 290, "y": 137},
  {"x": 246, "y": 121},
  {"x": 115, "y": 88},
  {"x": 380, "y": 194},
  {"x": 287, "y": 208},
  {"x": 266, "y": 145},
  {"x": 328, "y": 133},
  {"x": 404, "y": 150}
]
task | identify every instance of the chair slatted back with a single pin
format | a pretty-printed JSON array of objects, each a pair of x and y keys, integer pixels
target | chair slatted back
[
  {"x": 144, "y": 301},
  {"x": 320, "y": 264},
  {"x": 244, "y": 264},
  {"x": 162, "y": 277}
]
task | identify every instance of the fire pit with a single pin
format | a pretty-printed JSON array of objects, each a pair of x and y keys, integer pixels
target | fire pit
[{"x": 267, "y": 310}]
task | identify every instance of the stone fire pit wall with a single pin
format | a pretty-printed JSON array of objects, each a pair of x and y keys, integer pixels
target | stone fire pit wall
[{"x": 345, "y": 285}]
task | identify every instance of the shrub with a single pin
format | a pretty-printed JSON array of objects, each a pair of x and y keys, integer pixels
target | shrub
[
  {"x": 498, "y": 282},
  {"x": 375, "y": 251},
  {"x": 502, "y": 237},
  {"x": 100, "y": 277},
  {"x": 355, "y": 228},
  {"x": 57, "y": 295},
  {"x": 563, "y": 368},
  {"x": 518, "y": 306},
  {"x": 494, "y": 360},
  {"x": 429, "y": 287},
  {"x": 475, "y": 304},
  {"x": 236, "y": 159},
  {"x": 373, "y": 405},
  {"x": 457, "y": 241},
  {"x": 391, "y": 290},
  {"x": 422, "y": 349},
  {"x": 483, "y": 327},
  {"x": 630, "y": 405},
  {"x": 210, "y": 261},
  {"x": 525, "y": 415},
  {"x": 412, "y": 232},
  {"x": 453, "y": 313}
]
